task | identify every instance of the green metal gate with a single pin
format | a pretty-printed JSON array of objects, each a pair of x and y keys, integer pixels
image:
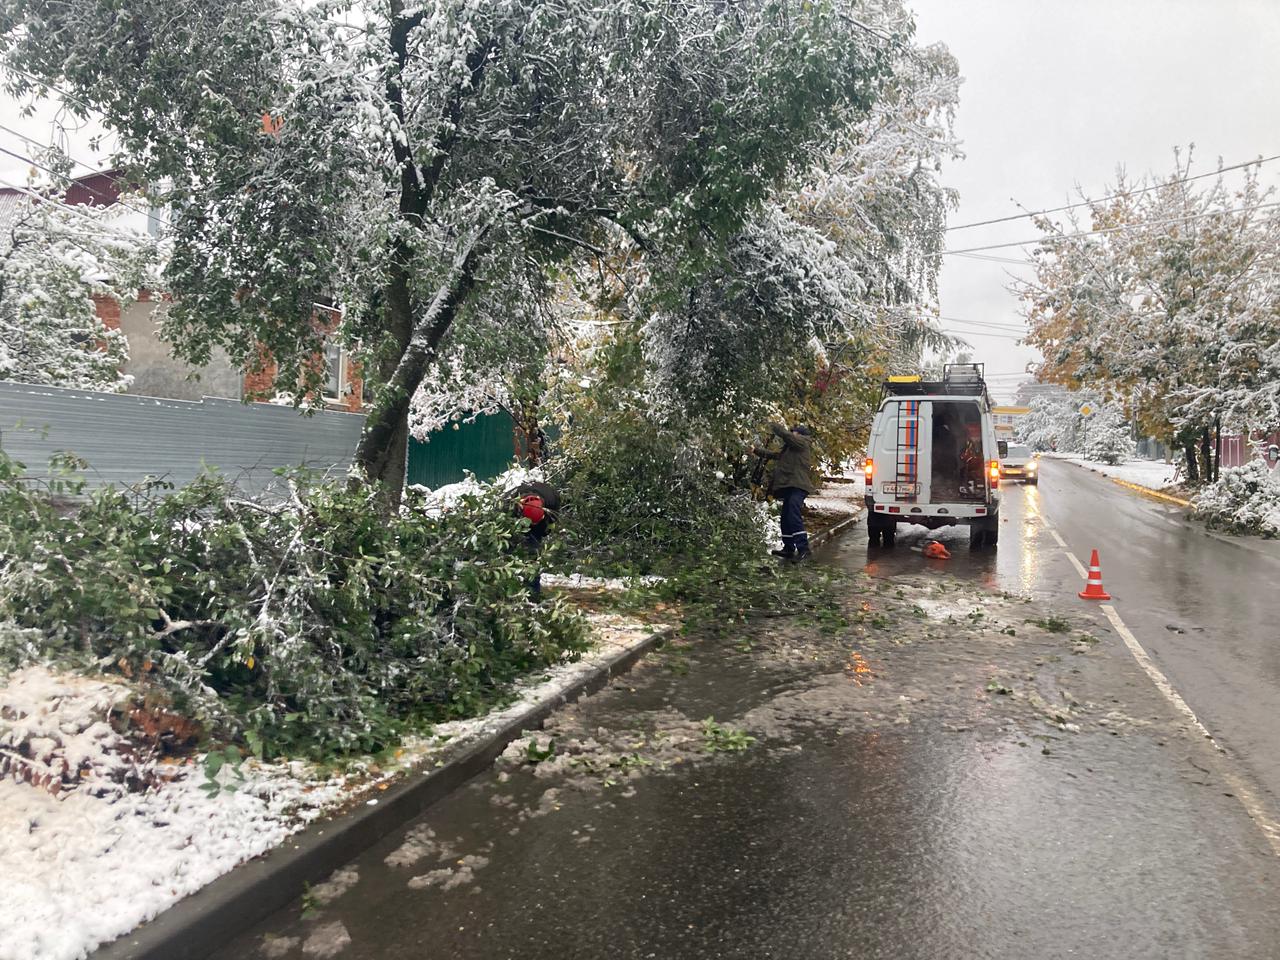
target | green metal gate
[{"x": 485, "y": 447}]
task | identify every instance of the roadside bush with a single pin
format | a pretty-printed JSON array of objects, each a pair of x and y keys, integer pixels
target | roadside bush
[
  {"x": 316, "y": 627},
  {"x": 1244, "y": 499},
  {"x": 643, "y": 497}
]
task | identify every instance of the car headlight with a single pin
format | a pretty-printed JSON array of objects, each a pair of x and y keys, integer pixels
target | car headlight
[{"x": 1031, "y": 466}]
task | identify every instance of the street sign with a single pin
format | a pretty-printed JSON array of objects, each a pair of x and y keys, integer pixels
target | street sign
[{"x": 1086, "y": 410}]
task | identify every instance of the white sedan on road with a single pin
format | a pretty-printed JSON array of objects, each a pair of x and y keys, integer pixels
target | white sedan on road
[{"x": 1019, "y": 463}]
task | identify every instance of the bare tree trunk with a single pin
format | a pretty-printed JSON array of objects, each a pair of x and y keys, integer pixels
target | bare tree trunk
[
  {"x": 529, "y": 438},
  {"x": 1206, "y": 455}
]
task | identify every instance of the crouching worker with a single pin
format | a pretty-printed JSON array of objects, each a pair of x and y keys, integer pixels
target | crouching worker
[
  {"x": 792, "y": 481},
  {"x": 539, "y": 503}
]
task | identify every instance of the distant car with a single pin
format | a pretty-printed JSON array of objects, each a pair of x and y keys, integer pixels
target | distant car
[{"x": 1019, "y": 463}]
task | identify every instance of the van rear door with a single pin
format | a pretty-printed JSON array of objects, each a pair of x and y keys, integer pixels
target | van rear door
[{"x": 902, "y": 452}]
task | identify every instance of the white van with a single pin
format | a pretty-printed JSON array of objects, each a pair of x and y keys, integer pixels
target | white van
[{"x": 933, "y": 457}]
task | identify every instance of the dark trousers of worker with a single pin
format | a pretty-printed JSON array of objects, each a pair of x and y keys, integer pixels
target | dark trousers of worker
[
  {"x": 793, "y": 535},
  {"x": 533, "y": 546}
]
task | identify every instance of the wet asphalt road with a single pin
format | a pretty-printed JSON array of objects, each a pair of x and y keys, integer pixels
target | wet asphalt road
[
  {"x": 1205, "y": 607},
  {"x": 941, "y": 777}
]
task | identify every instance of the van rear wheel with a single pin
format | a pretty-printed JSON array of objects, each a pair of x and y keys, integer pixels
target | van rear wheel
[{"x": 984, "y": 534}]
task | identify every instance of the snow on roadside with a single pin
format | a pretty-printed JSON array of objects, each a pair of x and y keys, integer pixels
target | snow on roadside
[
  {"x": 1154, "y": 474},
  {"x": 87, "y": 864}
]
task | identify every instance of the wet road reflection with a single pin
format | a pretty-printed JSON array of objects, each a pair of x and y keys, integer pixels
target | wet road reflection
[{"x": 1025, "y": 562}]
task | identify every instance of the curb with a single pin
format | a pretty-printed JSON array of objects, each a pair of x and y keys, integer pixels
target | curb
[
  {"x": 201, "y": 923},
  {"x": 1149, "y": 492},
  {"x": 818, "y": 539},
  {"x": 1135, "y": 487}
]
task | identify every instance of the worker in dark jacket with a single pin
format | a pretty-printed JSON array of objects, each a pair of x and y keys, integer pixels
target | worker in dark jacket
[
  {"x": 792, "y": 481},
  {"x": 539, "y": 503}
]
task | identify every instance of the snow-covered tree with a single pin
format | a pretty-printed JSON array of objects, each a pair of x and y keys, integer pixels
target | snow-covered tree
[
  {"x": 1167, "y": 299},
  {"x": 834, "y": 281},
  {"x": 53, "y": 261},
  {"x": 1053, "y": 423},
  {"x": 1106, "y": 435},
  {"x": 409, "y": 157}
]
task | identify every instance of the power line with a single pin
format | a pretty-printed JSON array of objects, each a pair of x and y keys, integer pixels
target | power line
[
  {"x": 980, "y": 333},
  {"x": 105, "y": 196},
  {"x": 986, "y": 258},
  {"x": 106, "y": 229},
  {"x": 48, "y": 86},
  {"x": 1105, "y": 230},
  {"x": 994, "y": 324},
  {"x": 1116, "y": 196}
]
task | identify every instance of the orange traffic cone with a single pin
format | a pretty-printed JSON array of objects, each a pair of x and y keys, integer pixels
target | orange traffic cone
[{"x": 1093, "y": 589}]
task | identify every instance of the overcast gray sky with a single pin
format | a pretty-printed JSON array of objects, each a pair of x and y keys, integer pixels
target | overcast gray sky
[{"x": 1058, "y": 93}]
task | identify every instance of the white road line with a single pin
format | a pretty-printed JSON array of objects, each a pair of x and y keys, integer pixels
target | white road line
[
  {"x": 1057, "y": 536},
  {"x": 1243, "y": 792},
  {"x": 1075, "y": 562}
]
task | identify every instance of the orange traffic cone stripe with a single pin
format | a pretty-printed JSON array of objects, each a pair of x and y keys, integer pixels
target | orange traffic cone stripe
[{"x": 1093, "y": 588}]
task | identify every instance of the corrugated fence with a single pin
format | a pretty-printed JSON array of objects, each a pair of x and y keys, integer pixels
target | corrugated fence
[{"x": 127, "y": 438}]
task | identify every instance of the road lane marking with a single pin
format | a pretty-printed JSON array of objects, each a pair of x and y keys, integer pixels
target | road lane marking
[
  {"x": 1075, "y": 562},
  {"x": 1242, "y": 791}
]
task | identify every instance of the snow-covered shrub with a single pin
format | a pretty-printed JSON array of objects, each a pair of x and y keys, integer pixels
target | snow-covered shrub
[
  {"x": 316, "y": 627},
  {"x": 642, "y": 496},
  {"x": 1244, "y": 499},
  {"x": 1106, "y": 436}
]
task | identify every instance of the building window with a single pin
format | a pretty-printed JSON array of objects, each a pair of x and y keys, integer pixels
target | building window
[{"x": 333, "y": 371}]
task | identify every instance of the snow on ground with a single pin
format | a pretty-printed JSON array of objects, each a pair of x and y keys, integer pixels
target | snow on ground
[
  {"x": 1154, "y": 474},
  {"x": 444, "y": 498},
  {"x": 579, "y": 580},
  {"x": 83, "y": 864}
]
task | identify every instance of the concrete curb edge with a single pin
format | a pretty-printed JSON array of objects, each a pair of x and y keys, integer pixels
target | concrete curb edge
[
  {"x": 818, "y": 539},
  {"x": 199, "y": 924},
  {"x": 1128, "y": 485},
  {"x": 1150, "y": 492}
]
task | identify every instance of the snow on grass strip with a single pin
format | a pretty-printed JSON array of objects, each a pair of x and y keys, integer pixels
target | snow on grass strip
[{"x": 85, "y": 864}]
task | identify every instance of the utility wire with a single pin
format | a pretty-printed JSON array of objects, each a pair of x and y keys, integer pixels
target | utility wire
[
  {"x": 1105, "y": 230},
  {"x": 110, "y": 200},
  {"x": 106, "y": 229},
  {"x": 1116, "y": 196},
  {"x": 993, "y": 324},
  {"x": 48, "y": 86}
]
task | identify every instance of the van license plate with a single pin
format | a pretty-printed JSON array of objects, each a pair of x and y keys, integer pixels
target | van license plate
[{"x": 910, "y": 489}]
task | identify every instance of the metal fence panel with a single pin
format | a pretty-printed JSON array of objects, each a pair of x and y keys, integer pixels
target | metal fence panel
[
  {"x": 126, "y": 438},
  {"x": 485, "y": 447}
]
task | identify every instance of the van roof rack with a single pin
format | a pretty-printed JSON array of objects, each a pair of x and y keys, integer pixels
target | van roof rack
[{"x": 958, "y": 379}]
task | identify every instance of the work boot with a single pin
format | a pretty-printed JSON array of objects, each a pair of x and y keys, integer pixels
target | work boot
[
  {"x": 786, "y": 553},
  {"x": 804, "y": 553}
]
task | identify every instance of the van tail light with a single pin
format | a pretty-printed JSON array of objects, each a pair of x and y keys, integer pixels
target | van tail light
[
  {"x": 995, "y": 471},
  {"x": 869, "y": 470}
]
